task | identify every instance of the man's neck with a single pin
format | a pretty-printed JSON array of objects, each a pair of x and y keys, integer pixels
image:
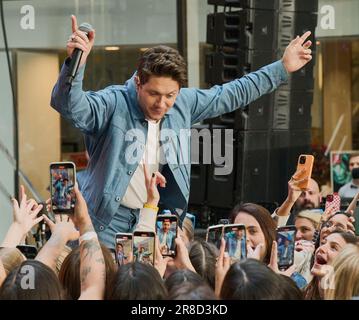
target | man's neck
[{"x": 355, "y": 182}]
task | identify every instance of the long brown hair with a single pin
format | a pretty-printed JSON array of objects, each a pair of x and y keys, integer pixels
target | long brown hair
[
  {"x": 69, "y": 274},
  {"x": 264, "y": 220}
]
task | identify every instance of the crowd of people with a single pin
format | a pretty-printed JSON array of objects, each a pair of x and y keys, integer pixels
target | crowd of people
[
  {"x": 325, "y": 258},
  {"x": 121, "y": 193}
]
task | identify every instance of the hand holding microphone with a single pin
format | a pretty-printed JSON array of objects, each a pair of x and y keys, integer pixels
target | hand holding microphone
[{"x": 79, "y": 46}]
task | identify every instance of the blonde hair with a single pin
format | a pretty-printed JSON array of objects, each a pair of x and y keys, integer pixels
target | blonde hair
[
  {"x": 187, "y": 227},
  {"x": 346, "y": 273},
  {"x": 312, "y": 216},
  {"x": 11, "y": 258}
]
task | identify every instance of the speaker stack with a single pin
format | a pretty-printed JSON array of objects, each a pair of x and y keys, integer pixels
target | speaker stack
[{"x": 270, "y": 133}]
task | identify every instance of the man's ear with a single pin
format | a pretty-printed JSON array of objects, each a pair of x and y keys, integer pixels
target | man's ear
[{"x": 137, "y": 82}]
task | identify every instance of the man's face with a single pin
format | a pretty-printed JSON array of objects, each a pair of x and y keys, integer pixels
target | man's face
[
  {"x": 310, "y": 198},
  {"x": 166, "y": 226},
  {"x": 353, "y": 163},
  {"x": 157, "y": 96}
]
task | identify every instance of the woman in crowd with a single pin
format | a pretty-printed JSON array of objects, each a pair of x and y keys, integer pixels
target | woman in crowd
[
  {"x": 136, "y": 281},
  {"x": 331, "y": 246},
  {"x": 188, "y": 285},
  {"x": 260, "y": 229},
  {"x": 344, "y": 277},
  {"x": 203, "y": 257}
]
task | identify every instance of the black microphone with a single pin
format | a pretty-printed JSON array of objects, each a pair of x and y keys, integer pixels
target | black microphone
[{"x": 76, "y": 55}]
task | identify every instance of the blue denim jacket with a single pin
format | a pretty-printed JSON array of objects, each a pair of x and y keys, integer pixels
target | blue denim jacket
[{"x": 107, "y": 116}]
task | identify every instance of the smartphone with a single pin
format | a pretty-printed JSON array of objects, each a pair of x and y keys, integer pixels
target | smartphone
[
  {"x": 223, "y": 221},
  {"x": 305, "y": 161},
  {"x": 144, "y": 247},
  {"x": 62, "y": 182},
  {"x": 236, "y": 241},
  {"x": 123, "y": 247},
  {"x": 286, "y": 245},
  {"x": 166, "y": 229},
  {"x": 215, "y": 234},
  {"x": 30, "y": 252},
  {"x": 333, "y": 199},
  {"x": 356, "y": 217}
]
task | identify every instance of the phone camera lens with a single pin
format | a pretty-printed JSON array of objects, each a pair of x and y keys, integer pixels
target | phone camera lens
[{"x": 302, "y": 160}]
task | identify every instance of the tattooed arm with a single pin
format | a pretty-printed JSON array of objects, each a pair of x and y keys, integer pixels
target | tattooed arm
[{"x": 92, "y": 263}]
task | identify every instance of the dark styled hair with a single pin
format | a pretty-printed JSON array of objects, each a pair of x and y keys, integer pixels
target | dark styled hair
[
  {"x": 264, "y": 220},
  {"x": 162, "y": 61},
  {"x": 252, "y": 280},
  {"x": 188, "y": 285},
  {"x": 136, "y": 281},
  {"x": 69, "y": 274},
  {"x": 41, "y": 283},
  {"x": 203, "y": 257}
]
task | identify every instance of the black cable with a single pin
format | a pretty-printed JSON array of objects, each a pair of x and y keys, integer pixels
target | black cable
[{"x": 14, "y": 101}]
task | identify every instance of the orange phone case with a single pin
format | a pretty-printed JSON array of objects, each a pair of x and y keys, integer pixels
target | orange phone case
[{"x": 308, "y": 167}]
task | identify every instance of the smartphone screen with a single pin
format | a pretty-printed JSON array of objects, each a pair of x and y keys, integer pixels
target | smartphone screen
[
  {"x": 30, "y": 252},
  {"x": 123, "y": 248},
  {"x": 214, "y": 235},
  {"x": 286, "y": 242},
  {"x": 236, "y": 241},
  {"x": 62, "y": 182},
  {"x": 166, "y": 229},
  {"x": 144, "y": 247}
]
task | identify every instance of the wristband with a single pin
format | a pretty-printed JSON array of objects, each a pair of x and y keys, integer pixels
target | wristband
[
  {"x": 150, "y": 206},
  {"x": 89, "y": 235}
]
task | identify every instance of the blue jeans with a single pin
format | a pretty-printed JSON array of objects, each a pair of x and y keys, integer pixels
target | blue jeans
[{"x": 124, "y": 220}]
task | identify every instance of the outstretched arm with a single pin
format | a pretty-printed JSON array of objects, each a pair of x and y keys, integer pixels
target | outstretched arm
[{"x": 241, "y": 92}]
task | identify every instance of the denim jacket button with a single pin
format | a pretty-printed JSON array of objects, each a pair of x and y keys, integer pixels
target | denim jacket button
[
  {"x": 129, "y": 172},
  {"x": 101, "y": 228},
  {"x": 118, "y": 199}
]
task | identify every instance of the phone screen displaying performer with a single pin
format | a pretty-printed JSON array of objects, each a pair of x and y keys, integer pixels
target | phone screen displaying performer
[
  {"x": 144, "y": 247},
  {"x": 236, "y": 241},
  {"x": 166, "y": 229},
  {"x": 305, "y": 163},
  {"x": 286, "y": 246},
  {"x": 215, "y": 234},
  {"x": 62, "y": 182},
  {"x": 123, "y": 247}
]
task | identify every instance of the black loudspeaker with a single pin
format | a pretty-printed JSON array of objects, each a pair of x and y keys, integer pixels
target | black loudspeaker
[
  {"x": 284, "y": 5},
  {"x": 199, "y": 170},
  {"x": 263, "y": 30},
  {"x": 222, "y": 174},
  {"x": 252, "y": 166}
]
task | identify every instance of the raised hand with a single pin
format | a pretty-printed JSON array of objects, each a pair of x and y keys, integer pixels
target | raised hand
[
  {"x": 25, "y": 213},
  {"x": 222, "y": 266},
  {"x": 297, "y": 54},
  {"x": 153, "y": 196},
  {"x": 80, "y": 40}
]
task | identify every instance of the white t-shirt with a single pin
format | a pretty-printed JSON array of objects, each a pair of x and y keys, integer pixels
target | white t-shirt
[{"x": 136, "y": 193}]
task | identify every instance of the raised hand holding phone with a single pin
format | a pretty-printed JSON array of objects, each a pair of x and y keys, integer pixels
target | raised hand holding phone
[{"x": 305, "y": 166}]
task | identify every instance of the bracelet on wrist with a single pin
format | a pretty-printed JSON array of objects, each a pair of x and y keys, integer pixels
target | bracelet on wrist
[{"x": 150, "y": 206}]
